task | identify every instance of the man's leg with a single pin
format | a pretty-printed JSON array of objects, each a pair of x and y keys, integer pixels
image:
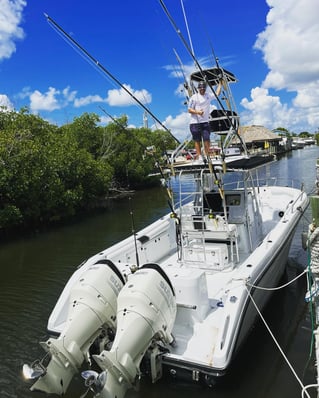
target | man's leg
[
  {"x": 207, "y": 147},
  {"x": 198, "y": 149},
  {"x": 196, "y": 134},
  {"x": 206, "y": 138}
]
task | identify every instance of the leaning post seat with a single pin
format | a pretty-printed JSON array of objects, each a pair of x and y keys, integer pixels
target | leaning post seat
[{"x": 223, "y": 120}]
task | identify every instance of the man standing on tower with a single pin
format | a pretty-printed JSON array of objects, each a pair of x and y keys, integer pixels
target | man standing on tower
[{"x": 199, "y": 108}]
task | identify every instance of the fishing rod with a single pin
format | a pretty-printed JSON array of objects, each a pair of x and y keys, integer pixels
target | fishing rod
[
  {"x": 122, "y": 127},
  {"x": 170, "y": 200},
  {"x": 186, "y": 45},
  {"x": 187, "y": 28},
  {"x": 134, "y": 234},
  {"x": 191, "y": 52},
  {"x": 197, "y": 64},
  {"x": 230, "y": 101},
  {"x": 157, "y": 162},
  {"x": 105, "y": 71},
  {"x": 186, "y": 86}
]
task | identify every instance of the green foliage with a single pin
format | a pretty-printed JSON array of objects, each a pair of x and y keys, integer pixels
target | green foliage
[
  {"x": 49, "y": 173},
  {"x": 305, "y": 134},
  {"x": 130, "y": 155},
  {"x": 282, "y": 132},
  {"x": 88, "y": 135},
  {"x": 10, "y": 215},
  {"x": 44, "y": 173}
]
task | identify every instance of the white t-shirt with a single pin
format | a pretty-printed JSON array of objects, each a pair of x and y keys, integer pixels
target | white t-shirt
[{"x": 200, "y": 102}]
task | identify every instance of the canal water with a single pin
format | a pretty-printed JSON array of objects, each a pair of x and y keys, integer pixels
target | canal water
[{"x": 35, "y": 269}]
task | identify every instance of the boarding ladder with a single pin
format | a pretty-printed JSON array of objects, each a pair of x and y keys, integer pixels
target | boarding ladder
[{"x": 208, "y": 241}]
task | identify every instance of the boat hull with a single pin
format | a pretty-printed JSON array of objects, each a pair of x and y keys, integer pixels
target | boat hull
[{"x": 270, "y": 276}]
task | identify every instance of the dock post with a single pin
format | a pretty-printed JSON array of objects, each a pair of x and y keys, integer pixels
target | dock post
[{"x": 313, "y": 247}]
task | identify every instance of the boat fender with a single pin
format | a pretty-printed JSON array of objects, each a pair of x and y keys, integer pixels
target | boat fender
[{"x": 281, "y": 214}]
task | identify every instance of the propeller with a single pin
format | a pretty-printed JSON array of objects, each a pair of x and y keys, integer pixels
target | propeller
[
  {"x": 94, "y": 381},
  {"x": 34, "y": 371}
]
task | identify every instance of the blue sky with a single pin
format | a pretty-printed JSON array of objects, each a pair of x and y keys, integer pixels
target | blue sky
[{"x": 271, "y": 46}]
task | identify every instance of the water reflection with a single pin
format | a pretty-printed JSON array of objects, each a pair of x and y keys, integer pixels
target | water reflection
[{"x": 35, "y": 269}]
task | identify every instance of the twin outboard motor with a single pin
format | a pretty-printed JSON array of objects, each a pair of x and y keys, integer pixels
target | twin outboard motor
[
  {"x": 146, "y": 310},
  {"x": 92, "y": 309}
]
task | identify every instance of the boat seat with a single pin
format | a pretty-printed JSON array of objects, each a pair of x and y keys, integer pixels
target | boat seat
[
  {"x": 191, "y": 291},
  {"x": 219, "y": 229},
  {"x": 208, "y": 229},
  {"x": 213, "y": 229}
]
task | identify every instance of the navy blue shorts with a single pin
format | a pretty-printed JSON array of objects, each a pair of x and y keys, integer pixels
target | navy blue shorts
[{"x": 200, "y": 131}]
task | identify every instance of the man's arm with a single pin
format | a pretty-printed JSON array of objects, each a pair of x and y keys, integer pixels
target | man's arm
[{"x": 195, "y": 112}]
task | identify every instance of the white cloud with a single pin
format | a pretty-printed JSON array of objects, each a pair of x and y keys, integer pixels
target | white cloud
[
  {"x": 120, "y": 97},
  {"x": 289, "y": 43},
  {"x": 5, "y": 102},
  {"x": 264, "y": 109},
  {"x": 68, "y": 95},
  {"x": 89, "y": 99},
  {"x": 179, "y": 125},
  {"x": 291, "y": 51},
  {"x": 10, "y": 31},
  {"x": 44, "y": 102},
  {"x": 54, "y": 99},
  {"x": 49, "y": 101}
]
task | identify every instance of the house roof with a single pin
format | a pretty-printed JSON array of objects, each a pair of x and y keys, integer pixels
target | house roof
[{"x": 257, "y": 133}]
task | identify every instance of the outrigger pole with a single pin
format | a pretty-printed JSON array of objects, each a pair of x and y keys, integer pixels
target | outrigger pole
[
  {"x": 108, "y": 73},
  {"x": 197, "y": 64}
]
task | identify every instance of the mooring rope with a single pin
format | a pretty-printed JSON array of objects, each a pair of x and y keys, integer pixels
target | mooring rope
[
  {"x": 304, "y": 390},
  {"x": 277, "y": 344},
  {"x": 278, "y": 287},
  {"x": 312, "y": 268}
]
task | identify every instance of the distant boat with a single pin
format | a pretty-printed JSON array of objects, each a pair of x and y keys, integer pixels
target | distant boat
[
  {"x": 309, "y": 141},
  {"x": 298, "y": 143}
]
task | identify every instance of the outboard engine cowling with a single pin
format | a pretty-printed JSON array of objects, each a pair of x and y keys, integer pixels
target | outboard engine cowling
[
  {"x": 92, "y": 307},
  {"x": 146, "y": 313}
]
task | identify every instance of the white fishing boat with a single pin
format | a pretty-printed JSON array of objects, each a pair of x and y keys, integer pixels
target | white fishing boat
[
  {"x": 179, "y": 297},
  {"x": 298, "y": 143},
  {"x": 180, "y": 294}
]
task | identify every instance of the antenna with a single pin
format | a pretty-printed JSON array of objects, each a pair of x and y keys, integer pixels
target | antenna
[{"x": 145, "y": 120}]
